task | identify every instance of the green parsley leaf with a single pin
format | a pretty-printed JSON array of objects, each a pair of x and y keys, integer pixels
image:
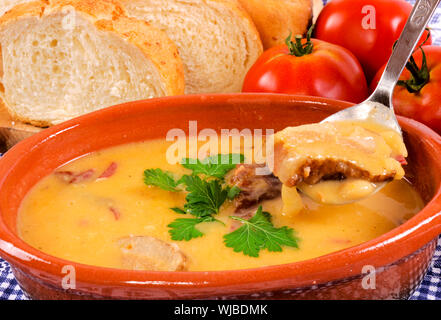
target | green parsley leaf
[
  {"x": 215, "y": 166},
  {"x": 185, "y": 229},
  {"x": 178, "y": 210},
  {"x": 233, "y": 192},
  {"x": 204, "y": 197},
  {"x": 161, "y": 179},
  {"x": 259, "y": 233}
]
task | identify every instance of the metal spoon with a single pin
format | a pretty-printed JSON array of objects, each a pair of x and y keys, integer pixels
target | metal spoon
[{"x": 378, "y": 107}]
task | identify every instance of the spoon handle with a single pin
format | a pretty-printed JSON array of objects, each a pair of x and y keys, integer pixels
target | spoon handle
[{"x": 414, "y": 28}]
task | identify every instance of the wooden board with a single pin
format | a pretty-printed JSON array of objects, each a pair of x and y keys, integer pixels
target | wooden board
[{"x": 12, "y": 131}]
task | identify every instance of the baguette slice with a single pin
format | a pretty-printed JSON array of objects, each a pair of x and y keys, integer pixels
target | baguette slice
[
  {"x": 71, "y": 57},
  {"x": 217, "y": 40},
  {"x": 275, "y": 19}
]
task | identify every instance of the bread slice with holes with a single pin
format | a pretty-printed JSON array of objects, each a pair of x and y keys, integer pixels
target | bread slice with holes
[
  {"x": 217, "y": 39},
  {"x": 275, "y": 19},
  {"x": 64, "y": 58}
]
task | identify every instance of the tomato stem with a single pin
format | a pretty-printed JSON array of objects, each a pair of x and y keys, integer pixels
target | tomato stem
[
  {"x": 298, "y": 48},
  {"x": 420, "y": 76}
]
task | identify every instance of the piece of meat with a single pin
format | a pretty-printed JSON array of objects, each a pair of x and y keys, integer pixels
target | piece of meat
[
  {"x": 65, "y": 176},
  {"x": 152, "y": 254},
  {"x": 116, "y": 213},
  {"x": 254, "y": 188},
  {"x": 313, "y": 171},
  {"x": 83, "y": 176},
  {"x": 72, "y": 177},
  {"x": 78, "y": 177},
  {"x": 401, "y": 160},
  {"x": 334, "y": 151},
  {"x": 110, "y": 171}
]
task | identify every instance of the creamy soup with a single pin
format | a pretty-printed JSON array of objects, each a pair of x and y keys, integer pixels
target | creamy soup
[{"x": 83, "y": 213}]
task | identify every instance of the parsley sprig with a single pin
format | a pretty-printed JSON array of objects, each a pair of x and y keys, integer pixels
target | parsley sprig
[
  {"x": 205, "y": 196},
  {"x": 185, "y": 228},
  {"x": 161, "y": 179},
  {"x": 259, "y": 233},
  {"x": 214, "y": 166},
  {"x": 203, "y": 200}
]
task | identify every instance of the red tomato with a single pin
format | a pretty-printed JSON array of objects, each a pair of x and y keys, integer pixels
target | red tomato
[
  {"x": 327, "y": 71},
  {"x": 423, "y": 105},
  {"x": 368, "y": 28}
]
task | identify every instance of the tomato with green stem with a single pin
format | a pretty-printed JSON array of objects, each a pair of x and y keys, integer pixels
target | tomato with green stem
[
  {"x": 310, "y": 67},
  {"x": 417, "y": 94}
]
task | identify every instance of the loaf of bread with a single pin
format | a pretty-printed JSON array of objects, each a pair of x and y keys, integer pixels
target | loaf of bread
[
  {"x": 64, "y": 58},
  {"x": 275, "y": 19},
  {"x": 217, "y": 40}
]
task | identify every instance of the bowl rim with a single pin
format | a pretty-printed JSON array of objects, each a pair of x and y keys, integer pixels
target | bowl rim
[{"x": 385, "y": 249}]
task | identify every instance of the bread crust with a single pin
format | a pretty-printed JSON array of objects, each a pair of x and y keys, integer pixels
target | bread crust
[
  {"x": 241, "y": 11},
  {"x": 236, "y": 11},
  {"x": 276, "y": 18},
  {"x": 16, "y": 117},
  {"x": 236, "y": 7},
  {"x": 109, "y": 16}
]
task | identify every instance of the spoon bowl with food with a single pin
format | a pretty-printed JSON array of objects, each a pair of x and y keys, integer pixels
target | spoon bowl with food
[{"x": 355, "y": 152}]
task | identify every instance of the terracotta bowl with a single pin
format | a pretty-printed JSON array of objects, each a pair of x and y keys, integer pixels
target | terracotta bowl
[{"x": 400, "y": 256}]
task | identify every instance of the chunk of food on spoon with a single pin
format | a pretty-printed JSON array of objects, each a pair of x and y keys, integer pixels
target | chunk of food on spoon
[{"x": 338, "y": 162}]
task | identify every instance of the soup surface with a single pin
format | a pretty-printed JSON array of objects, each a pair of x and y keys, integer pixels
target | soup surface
[{"x": 83, "y": 221}]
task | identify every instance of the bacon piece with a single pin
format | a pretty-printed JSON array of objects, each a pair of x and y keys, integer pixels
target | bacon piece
[
  {"x": 83, "y": 176},
  {"x": 71, "y": 177},
  {"x": 65, "y": 176},
  {"x": 116, "y": 212},
  {"x": 110, "y": 171},
  {"x": 401, "y": 159}
]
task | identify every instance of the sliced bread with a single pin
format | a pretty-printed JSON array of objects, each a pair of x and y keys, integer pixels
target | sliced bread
[
  {"x": 217, "y": 40},
  {"x": 64, "y": 58}
]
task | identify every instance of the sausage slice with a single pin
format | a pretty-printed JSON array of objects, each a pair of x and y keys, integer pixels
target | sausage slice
[{"x": 149, "y": 253}]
